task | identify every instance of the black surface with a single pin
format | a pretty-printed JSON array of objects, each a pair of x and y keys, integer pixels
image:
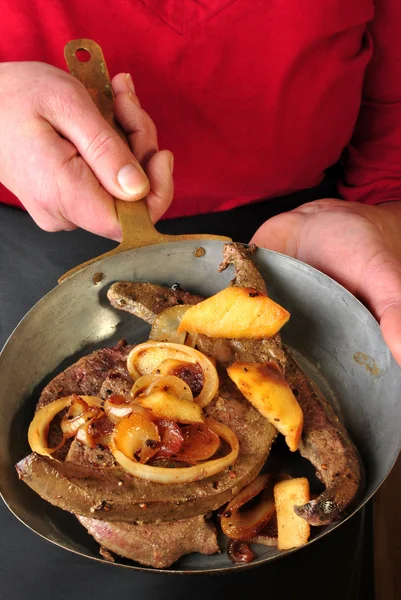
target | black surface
[{"x": 30, "y": 263}]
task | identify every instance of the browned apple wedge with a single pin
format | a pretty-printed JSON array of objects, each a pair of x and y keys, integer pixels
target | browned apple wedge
[
  {"x": 293, "y": 531},
  {"x": 264, "y": 385},
  {"x": 165, "y": 406},
  {"x": 235, "y": 312}
]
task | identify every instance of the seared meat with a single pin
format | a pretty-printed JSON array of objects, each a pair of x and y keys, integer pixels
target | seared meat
[
  {"x": 229, "y": 351},
  {"x": 88, "y": 374},
  {"x": 325, "y": 441},
  {"x": 157, "y": 545},
  {"x": 154, "y": 523},
  {"x": 90, "y": 484},
  {"x": 326, "y": 444},
  {"x": 116, "y": 383},
  {"x": 145, "y": 300},
  {"x": 246, "y": 273},
  {"x": 87, "y": 479},
  {"x": 225, "y": 351}
]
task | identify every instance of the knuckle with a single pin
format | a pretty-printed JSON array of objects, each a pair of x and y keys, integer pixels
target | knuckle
[
  {"x": 148, "y": 126},
  {"x": 140, "y": 121},
  {"x": 62, "y": 99},
  {"x": 55, "y": 193},
  {"x": 44, "y": 218},
  {"x": 48, "y": 225},
  {"x": 101, "y": 145},
  {"x": 73, "y": 172},
  {"x": 166, "y": 194},
  {"x": 74, "y": 182},
  {"x": 56, "y": 94}
]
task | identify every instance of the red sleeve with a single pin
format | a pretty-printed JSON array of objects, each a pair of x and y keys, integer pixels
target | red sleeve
[{"x": 373, "y": 158}]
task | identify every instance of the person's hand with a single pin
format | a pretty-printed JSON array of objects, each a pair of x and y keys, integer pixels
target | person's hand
[
  {"x": 358, "y": 245},
  {"x": 65, "y": 163}
]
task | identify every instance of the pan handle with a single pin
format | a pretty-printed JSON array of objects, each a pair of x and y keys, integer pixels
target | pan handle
[{"x": 86, "y": 62}]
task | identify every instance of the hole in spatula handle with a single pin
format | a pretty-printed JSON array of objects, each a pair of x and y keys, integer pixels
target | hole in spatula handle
[{"x": 83, "y": 55}]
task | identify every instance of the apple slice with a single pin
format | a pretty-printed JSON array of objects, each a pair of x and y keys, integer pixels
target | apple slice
[
  {"x": 163, "y": 405},
  {"x": 264, "y": 385},
  {"x": 293, "y": 531},
  {"x": 235, "y": 312}
]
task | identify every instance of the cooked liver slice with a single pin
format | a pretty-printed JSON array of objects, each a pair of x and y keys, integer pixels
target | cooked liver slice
[{"x": 156, "y": 545}]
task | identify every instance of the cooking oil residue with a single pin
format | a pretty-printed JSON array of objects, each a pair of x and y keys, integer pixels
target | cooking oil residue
[{"x": 368, "y": 362}]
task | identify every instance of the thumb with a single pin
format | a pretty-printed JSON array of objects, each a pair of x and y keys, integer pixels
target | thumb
[
  {"x": 281, "y": 233},
  {"x": 382, "y": 293},
  {"x": 377, "y": 281},
  {"x": 390, "y": 324},
  {"x": 76, "y": 118}
]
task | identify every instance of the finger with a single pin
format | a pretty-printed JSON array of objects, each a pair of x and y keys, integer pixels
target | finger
[
  {"x": 141, "y": 130},
  {"x": 381, "y": 286},
  {"x": 160, "y": 173},
  {"x": 281, "y": 233},
  {"x": 390, "y": 324},
  {"x": 378, "y": 284},
  {"x": 73, "y": 114},
  {"x": 123, "y": 82},
  {"x": 60, "y": 191}
]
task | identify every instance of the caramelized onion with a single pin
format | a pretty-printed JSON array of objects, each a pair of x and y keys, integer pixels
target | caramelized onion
[
  {"x": 100, "y": 430},
  {"x": 85, "y": 433},
  {"x": 136, "y": 438},
  {"x": 77, "y": 407},
  {"x": 141, "y": 385},
  {"x": 77, "y": 415},
  {"x": 117, "y": 407},
  {"x": 146, "y": 357},
  {"x": 169, "y": 366},
  {"x": 268, "y": 535},
  {"x": 190, "y": 373},
  {"x": 245, "y": 524},
  {"x": 171, "y": 438},
  {"x": 172, "y": 385},
  {"x": 191, "y": 340},
  {"x": 181, "y": 474},
  {"x": 71, "y": 427},
  {"x": 199, "y": 443},
  {"x": 164, "y": 327},
  {"x": 39, "y": 427},
  {"x": 239, "y": 552}
]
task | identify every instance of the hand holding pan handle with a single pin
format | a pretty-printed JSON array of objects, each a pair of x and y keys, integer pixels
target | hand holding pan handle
[{"x": 137, "y": 228}]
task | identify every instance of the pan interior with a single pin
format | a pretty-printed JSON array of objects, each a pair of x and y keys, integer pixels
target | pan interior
[{"x": 336, "y": 339}]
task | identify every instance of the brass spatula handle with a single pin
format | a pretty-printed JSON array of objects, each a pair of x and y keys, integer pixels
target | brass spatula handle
[
  {"x": 136, "y": 225},
  {"x": 137, "y": 228}
]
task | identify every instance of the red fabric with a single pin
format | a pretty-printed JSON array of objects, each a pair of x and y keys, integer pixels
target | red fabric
[
  {"x": 374, "y": 157},
  {"x": 255, "y": 99}
]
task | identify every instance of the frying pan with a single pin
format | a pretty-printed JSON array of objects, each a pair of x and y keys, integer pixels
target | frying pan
[{"x": 334, "y": 337}]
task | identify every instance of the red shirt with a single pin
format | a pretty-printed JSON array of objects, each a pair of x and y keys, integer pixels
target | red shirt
[{"x": 254, "y": 98}]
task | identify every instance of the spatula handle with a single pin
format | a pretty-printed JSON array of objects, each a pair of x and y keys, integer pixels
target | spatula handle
[{"x": 137, "y": 228}]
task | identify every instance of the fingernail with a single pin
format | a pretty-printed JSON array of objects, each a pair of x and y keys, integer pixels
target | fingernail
[
  {"x": 130, "y": 83},
  {"x": 172, "y": 163},
  {"x": 132, "y": 180}
]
